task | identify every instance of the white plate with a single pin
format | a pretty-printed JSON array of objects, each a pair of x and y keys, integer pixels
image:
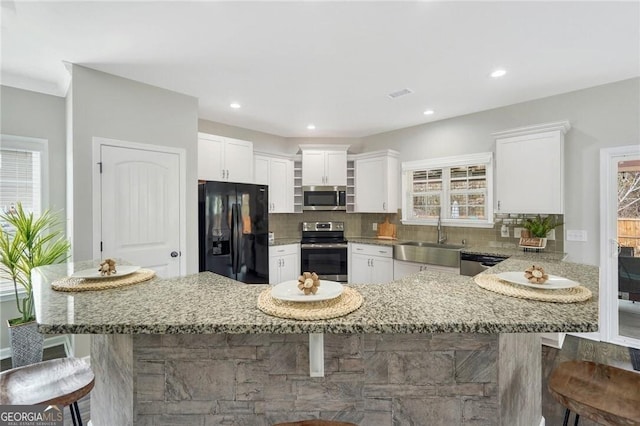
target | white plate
[
  {"x": 288, "y": 290},
  {"x": 553, "y": 283},
  {"x": 94, "y": 274}
]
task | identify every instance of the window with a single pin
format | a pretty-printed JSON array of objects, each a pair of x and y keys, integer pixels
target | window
[
  {"x": 460, "y": 189},
  {"x": 23, "y": 178}
]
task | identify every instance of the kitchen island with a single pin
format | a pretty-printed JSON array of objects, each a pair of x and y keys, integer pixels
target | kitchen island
[{"x": 432, "y": 348}]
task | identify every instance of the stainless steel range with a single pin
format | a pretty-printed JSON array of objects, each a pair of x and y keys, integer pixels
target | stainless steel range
[{"x": 323, "y": 250}]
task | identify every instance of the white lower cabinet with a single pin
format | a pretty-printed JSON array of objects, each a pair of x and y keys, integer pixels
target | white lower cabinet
[
  {"x": 284, "y": 263},
  {"x": 370, "y": 264},
  {"x": 402, "y": 268}
]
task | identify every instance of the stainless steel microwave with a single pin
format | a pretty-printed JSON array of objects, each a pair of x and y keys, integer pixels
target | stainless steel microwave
[{"x": 324, "y": 198}]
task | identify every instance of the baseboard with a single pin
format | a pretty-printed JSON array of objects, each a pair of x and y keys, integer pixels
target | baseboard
[{"x": 49, "y": 342}]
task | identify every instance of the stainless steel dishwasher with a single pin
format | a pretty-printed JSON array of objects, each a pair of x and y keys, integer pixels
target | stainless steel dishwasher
[{"x": 472, "y": 264}]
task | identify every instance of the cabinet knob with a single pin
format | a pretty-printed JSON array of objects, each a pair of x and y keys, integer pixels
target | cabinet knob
[
  {"x": 384, "y": 205},
  {"x": 498, "y": 204},
  {"x": 174, "y": 254}
]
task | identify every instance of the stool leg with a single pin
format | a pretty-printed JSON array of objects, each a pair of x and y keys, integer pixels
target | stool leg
[
  {"x": 577, "y": 420},
  {"x": 73, "y": 415},
  {"x": 75, "y": 406},
  {"x": 566, "y": 417}
]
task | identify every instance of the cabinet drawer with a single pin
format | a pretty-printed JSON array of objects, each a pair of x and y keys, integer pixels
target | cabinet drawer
[
  {"x": 284, "y": 250},
  {"x": 372, "y": 250}
]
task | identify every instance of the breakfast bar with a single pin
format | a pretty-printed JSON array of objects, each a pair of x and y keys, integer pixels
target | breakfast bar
[{"x": 197, "y": 350}]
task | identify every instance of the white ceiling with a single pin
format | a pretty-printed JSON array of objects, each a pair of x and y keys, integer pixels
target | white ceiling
[{"x": 327, "y": 63}]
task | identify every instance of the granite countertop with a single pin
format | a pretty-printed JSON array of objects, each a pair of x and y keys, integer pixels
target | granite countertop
[
  {"x": 514, "y": 252},
  {"x": 427, "y": 302},
  {"x": 284, "y": 241}
]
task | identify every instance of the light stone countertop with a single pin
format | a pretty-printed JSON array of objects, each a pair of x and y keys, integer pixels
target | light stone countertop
[{"x": 427, "y": 302}]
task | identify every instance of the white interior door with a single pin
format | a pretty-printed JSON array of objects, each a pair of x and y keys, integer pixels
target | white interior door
[
  {"x": 620, "y": 245},
  {"x": 140, "y": 209}
]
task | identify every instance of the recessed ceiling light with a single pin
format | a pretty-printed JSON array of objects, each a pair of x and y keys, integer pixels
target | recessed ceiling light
[
  {"x": 234, "y": 105},
  {"x": 311, "y": 127},
  {"x": 498, "y": 73},
  {"x": 429, "y": 112}
]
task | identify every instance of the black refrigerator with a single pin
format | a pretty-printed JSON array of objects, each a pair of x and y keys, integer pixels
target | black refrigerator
[{"x": 233, "y": 222}]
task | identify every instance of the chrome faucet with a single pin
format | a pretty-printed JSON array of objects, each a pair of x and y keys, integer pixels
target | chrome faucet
[{"x": 442, "y": 237}]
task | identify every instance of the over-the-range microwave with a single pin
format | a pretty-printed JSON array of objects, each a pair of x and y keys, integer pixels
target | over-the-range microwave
[{"x": 324, "y": 198}]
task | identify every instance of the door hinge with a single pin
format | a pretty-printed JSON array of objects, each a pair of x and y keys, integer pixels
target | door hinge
[
  {"x": 101, "y": 246},
  {"x": 100, "y": 165}
]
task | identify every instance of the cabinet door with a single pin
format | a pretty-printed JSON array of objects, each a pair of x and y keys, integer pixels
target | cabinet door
[
  {"x": 238, "y": 158},
  {"x": 529, "y": 173},
  {"x": 360, "y": 269},
  {"x": 274, "y": 269},
  {"x": 210, "y": 157},
  {"x": 261, "y": 171},
  {"x": 313, "y": 168},
  {"x": 281, "y": 186},
  {"x": 370, "y": 185},
  {"x": 336, "y": 168},
  {"x": 381, "y": 270},
  {"x": 289, "y": 267},
  {"x": 402, "y": 269}
]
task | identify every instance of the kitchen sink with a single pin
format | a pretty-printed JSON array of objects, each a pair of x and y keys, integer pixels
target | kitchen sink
[{"x": 427, "y": 252}]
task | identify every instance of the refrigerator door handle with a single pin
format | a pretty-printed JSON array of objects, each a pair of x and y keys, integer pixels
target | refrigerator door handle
[{"x": 236, "y": 238}]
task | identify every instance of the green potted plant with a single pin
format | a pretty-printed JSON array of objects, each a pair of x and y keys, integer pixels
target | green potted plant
[
  {"x": 26, "y": 242},
  {"x": 536, "y": 231}
]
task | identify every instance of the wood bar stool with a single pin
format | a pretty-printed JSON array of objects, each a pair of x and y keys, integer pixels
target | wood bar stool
[
  {"x": 602, "y": 393},
  {"x": 61, "y": 381},
  {"x": 316, "y": 422}
]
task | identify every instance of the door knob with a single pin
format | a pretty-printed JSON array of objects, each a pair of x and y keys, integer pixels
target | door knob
[{"x": 174, "y": 254}]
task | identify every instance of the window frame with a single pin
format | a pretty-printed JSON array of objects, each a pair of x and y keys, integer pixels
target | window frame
[
  {"x": 35, "y": 145},
  {"x": 446, "y": 164}
]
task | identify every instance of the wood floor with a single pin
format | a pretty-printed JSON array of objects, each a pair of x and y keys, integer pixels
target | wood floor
[{"x": 573, "y": 348}]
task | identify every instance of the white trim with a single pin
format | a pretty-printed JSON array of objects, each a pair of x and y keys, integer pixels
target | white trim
[
  {"x": 608, "y": 245},
  {"x": 323, "y": 147},
  {"x": 449, "y": 222},
  {"x": 458, "y": 160},
  {"x": 542, "y": 421},
  {"x": 374, "y": 154},
  {"x": 562, "y": 126},
  {"x": 49, "y": 342},
  {"x": 98, "y": 143}
]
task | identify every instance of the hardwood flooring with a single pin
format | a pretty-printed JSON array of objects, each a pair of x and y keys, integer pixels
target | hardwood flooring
[{"x": 573, "y": 348}]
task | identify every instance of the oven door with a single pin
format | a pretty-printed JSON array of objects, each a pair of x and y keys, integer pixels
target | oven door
[{"x": 329, "y": 261}]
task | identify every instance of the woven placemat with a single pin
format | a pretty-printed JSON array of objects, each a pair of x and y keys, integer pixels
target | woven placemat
[
  {"x": 564, "y": 295},
  {"x": 347, "y": 302},
  {"x": 83, "y": 284}
]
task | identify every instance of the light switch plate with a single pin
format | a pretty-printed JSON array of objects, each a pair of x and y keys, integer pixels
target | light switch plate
[
  {"x": 576, "y": 235},
  {"x": 375, "y": 226}
]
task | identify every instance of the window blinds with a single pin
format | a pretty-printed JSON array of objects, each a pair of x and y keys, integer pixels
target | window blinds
[{"x": 20, "y": 179}]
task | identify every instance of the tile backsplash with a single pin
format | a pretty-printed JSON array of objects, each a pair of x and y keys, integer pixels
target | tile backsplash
[{"x": 287, "y": 225}]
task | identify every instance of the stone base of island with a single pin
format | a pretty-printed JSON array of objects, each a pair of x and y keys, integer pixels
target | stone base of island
[
  {"x": 432, "y": 348},
  {"x": 371, "y": 379}
]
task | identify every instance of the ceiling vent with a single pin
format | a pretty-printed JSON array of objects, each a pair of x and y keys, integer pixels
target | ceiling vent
[{"x": 399, "y": 93}]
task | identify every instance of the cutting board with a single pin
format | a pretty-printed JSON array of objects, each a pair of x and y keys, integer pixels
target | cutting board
[{"x": 386, "y": 230}]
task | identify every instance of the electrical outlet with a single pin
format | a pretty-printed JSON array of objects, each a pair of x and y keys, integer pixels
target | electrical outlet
[
  {"x": 504, "y": 231},
  {"x": 576, "y": 235},
  {"x": 517, "y": 231},
  {"x": 375, "y": 226}
]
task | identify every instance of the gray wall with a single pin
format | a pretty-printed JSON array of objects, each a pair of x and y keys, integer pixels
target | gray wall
[
  {"x": 32, "y": 114},
  {"x": 602, "y": 116},
  {"x": 104, "y": 105},
  {"x": 261, "y": 141}
]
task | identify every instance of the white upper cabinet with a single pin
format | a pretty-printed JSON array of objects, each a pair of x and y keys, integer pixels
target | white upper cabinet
[
  {"x": 530, "y": 169},
  {"x": 376, "y": 183},
  {"x": 224, "y": 159},
  {"x": 324, "y": 165},
  {"x": 277, "y": 172}
]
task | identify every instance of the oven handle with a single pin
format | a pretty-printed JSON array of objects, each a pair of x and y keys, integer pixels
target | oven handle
[{"x": 322, "y": 246}]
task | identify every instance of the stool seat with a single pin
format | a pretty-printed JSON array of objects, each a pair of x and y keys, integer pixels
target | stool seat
[
  {"x": 602, "y": 393},
  {"x": 316, "y": 422},
  {"x": 59, "y": 381}
]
